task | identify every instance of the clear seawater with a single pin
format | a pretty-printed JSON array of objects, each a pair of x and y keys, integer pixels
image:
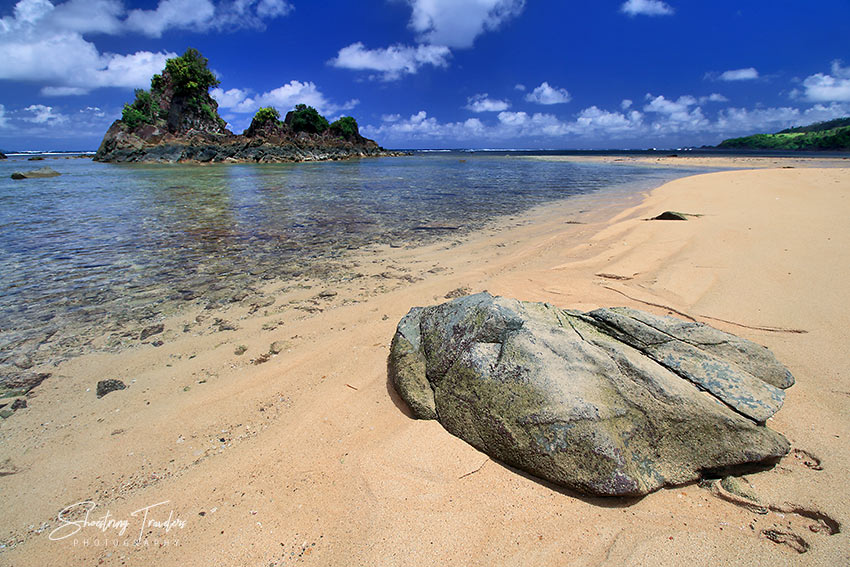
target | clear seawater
[{"x": 104, "y": 244}]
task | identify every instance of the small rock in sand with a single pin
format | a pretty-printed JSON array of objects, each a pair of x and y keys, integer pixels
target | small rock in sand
[
  {"x": 150, "y": 331},
  {"x": 106, "y": 386}
]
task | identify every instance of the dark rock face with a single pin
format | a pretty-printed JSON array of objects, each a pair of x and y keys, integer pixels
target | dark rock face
[
  {"x": 2, "y": 155},
  {"x": 106, "y": 386},
  {"x": 151, "y": 331},
  {"x": 670, "y": 215},
  {"x": 611, "y": 402},
  {"x": 152, "y": 144},
  {"x": 36, "y": 173}
]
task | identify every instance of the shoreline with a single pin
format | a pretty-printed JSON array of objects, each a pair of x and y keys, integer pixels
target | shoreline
[{"x": 311, "y": 446}]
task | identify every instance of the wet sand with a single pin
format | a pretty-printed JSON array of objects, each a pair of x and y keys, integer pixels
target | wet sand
[{"x": 308, "y": 456}]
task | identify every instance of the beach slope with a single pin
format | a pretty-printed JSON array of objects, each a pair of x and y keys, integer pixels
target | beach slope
[{"x": 309, "y": 456}]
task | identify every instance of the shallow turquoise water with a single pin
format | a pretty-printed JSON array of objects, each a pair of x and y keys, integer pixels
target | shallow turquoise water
[{"x": 104, "y": 243}]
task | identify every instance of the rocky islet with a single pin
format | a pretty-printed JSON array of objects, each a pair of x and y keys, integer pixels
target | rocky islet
[{"x": 178, "y": 121}]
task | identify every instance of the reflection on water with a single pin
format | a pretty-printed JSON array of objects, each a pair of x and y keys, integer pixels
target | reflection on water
[{"x": 103, "y": 244}]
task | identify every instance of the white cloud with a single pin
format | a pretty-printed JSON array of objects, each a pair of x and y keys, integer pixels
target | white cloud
[
  {"x": 546, "y": 94},
  {"x": 64, "y": 91},
  {"x": 42, "y": 42},
  {"x": 456, "y": 23},
  {"x": 392, "y": 62},
  {"x": 664, "y": 122},
  {"x": 44, "y": 114},
  {"x": 179, "y": 14},
  {"x": 483, "y": 103},
  {"x": 828, "y": 88},
  {"x": 421, "y": 127},
  {"x": 203, "y": 15},
  {"x": 51, "y": 122},
  {"x": 626, "y": 104},
  {"x": 743, "y": 121},
  {"x": 595, "y": 121},
  {"x": 519, "y": 87},
  {"x": 646, "y": 8},
  {"x": 284, "y": 98},
  {"x": 713, "y": 97},
  {"x": 229, "y": 98},
  {"x": 748, "y": 74},
  {"x": 676, "y": 115}
]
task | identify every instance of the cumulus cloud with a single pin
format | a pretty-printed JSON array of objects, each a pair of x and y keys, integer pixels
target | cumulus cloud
[
  {"x": 44, "y": 114},
  {"x": 646, "y": 8},
  {"x": 179, "y": 14},
  {"x": 741, "y": 121},
  {"x": 53, "y": 122},
  {"x": 748, "y": 74},
  {"x": 821, "y": 87},
  {"x": 456, "y": 23},
  {"x": 546, "y": 94},
  {"x": 440, "y": 25},
  {"x": 713, "y": 97},
  {"x": 42, "y": 42},
  {"x": 391, "y": 62},
  {"x": 662, "y": 121},
  {"x": 595, "y": 121},
  {"x": 283, "y": 98},
  {"x": 677, "y": 115},
  {"x": 483, "y": 103},
  {"x": 421, "y": 127}
]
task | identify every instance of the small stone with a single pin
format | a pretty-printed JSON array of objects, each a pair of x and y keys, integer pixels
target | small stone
[
  {"x": 150, "y": 331},
  {"x": 157, "y": 343},
  {"x": 240, "y": 350},
  {"x": 20, "y": 403},
  {"x": 36, "y": 173},
  {"x": 670, "y": 215},
  {"x": 106, "y": 386},
  {"x": 6, "y": 413},
  {"x": 327, "y": 293},
  {"x": 277, "y": 347},
  {"x": 25, "y": 381},
  {"x": 458, "y": 292},
  {"x": 24, "y": 362}
]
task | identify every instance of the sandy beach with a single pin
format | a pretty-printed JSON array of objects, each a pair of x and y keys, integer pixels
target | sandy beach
[{"x": 269, "y": 435}]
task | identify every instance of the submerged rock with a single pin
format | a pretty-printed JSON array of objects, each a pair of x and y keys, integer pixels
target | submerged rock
[
  {"x": 36, "y": 173},
  {"x": 611, "y": 402}
]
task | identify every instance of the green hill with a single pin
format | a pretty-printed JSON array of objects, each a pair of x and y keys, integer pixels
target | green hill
[{"x": 831, "y": 135}]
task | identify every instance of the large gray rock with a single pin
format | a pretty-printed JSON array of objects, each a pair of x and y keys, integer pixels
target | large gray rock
[{"x": 611, "y": 402}]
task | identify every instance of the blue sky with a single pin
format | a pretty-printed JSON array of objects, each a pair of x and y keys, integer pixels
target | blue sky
[{"x": 439, "y": 73}]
